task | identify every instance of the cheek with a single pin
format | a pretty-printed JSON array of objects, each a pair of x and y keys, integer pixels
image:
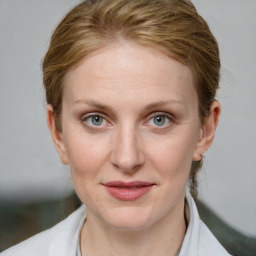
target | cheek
[
  {"x": 87, "y": 157},
  {"x": 87, "y": 160},
  {"x": 173, "y": 157},
  {"x": 85, "y": 153}
]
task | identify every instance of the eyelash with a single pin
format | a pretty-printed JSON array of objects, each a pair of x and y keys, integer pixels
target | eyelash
[
  {"x": 168, "y": 119},
  {"x": 94, "y": 115}
]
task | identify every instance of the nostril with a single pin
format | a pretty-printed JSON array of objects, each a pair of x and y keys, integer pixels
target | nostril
[{"x": 126, "y": 164}]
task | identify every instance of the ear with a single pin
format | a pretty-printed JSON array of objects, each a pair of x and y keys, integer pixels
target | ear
[
  {"x": 207, "y": 131},
  {"x": 57, "y": 137}
]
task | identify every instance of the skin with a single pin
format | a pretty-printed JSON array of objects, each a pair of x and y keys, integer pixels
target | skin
[{"x": 127, "y": 86}]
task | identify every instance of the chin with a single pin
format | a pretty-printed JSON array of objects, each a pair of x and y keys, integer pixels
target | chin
[{"x": 129, "y": 218}]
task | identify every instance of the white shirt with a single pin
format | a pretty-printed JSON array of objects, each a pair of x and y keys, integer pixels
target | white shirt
[{"x": 63, "y": 239}]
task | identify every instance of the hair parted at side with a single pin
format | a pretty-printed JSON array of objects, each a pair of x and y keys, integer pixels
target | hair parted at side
[{"x": 171, "y": 25}]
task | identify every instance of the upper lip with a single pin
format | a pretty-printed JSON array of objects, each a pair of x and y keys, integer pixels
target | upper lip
[{"x": 131, "y": 184}]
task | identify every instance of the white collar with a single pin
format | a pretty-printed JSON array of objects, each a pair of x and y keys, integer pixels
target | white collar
[{"x": 198, "y": 240}]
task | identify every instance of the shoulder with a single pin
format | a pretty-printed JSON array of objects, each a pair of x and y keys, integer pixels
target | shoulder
[{"x": 58, "y": 240}]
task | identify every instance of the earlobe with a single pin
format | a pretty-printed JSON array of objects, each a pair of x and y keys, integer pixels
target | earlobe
[
  {"x": 207, "y": 131},
  {"x": 57, "y": 137}
]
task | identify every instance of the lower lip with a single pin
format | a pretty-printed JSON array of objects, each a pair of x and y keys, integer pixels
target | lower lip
[{"x": 128, "y": 194}]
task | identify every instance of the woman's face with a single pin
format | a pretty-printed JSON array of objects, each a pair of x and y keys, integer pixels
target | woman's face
[{"x": 130, "y": 130}]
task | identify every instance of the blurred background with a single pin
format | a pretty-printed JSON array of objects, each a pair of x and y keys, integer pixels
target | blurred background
[{"x": 31, "y": 171}]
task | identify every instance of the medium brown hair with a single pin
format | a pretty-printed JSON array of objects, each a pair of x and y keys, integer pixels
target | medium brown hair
[{"x": 171, "y": 25}]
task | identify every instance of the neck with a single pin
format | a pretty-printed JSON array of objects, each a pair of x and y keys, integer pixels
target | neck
[{"x": 164, "y": 237}]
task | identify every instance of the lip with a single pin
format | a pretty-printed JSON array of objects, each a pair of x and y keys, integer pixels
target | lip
[{"x": 128, "y": 191}]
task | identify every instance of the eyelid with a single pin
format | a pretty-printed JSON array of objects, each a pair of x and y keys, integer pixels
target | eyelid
[
  {"x": 159, "y": 113},
  {"x": 92, "y": 114},
  {"x": 163, "y": 114},
  {"x": 86, "y": 115},
  {"x": 109, "y": 123}
]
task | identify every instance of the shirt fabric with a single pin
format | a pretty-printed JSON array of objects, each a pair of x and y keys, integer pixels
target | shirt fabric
[{"x": 63, "y": 239}]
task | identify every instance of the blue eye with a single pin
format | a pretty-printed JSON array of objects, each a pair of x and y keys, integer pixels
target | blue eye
[
  {"x": 95, "y": 120},
  {"x": 159, "y": 120}
]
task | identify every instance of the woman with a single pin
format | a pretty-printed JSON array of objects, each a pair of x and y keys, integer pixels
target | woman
[{"x": 130, "y": 87}]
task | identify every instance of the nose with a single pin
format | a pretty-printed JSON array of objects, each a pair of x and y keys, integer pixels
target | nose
[{"x": 127, "y": 154}]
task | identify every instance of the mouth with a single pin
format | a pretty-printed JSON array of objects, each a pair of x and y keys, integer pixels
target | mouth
[{"x": 128, "y": 191}]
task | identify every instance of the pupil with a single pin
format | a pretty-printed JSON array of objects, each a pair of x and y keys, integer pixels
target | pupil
[
  {"x": 97, "y": 120},
  {"x": 159, "y": 120}
]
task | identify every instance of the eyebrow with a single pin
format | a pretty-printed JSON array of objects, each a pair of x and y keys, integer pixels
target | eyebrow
[
  {"x": 93, "y": 103},
  {"x": 163, "y": 103},
  {"x": 99, "y": 105}
]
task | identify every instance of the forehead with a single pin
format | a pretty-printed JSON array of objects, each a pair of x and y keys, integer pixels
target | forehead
[{"x": 124, "y": 69}]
